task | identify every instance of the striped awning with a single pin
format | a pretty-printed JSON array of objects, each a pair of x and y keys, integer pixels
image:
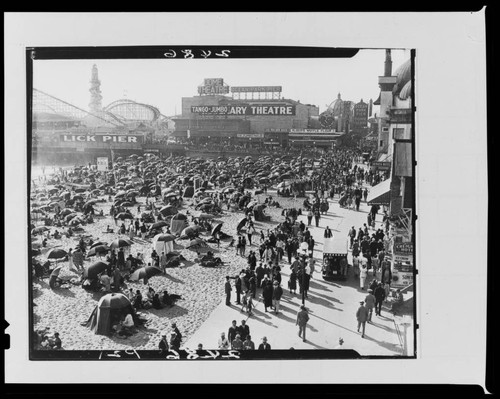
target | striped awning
[{"x": 380, "y": 194}]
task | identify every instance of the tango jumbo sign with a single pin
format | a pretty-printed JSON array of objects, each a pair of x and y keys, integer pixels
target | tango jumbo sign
[
  {"x": 245, "y": 109},
  {"x": 101, "y": 138}
]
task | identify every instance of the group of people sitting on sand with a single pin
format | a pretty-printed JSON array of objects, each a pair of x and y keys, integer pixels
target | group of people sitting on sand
[{"x": 152, "y": 299}]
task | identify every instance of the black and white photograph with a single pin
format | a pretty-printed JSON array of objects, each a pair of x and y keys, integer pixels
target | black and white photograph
[
  {"x": 200, "y": 202},
  {"x": 216, "y": 204}
]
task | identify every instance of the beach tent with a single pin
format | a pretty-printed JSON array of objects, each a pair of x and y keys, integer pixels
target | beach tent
[
  {"x": 111, "y": 308},
  {"x": 163, "y": 243},
  {"x": 178, "y": 223},
  {"x": 188, "y": 192}
]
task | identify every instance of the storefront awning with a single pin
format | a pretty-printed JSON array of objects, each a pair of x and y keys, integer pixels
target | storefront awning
[
  {"x": 380, "y": 194},
  {"x": 385, "y": 158}
]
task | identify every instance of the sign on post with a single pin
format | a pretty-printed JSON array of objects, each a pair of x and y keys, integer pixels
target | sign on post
[{"x": 102, "y": 164}]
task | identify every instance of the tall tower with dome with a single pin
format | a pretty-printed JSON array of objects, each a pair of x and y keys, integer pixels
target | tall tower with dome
[{"x": 95, "y": 91}]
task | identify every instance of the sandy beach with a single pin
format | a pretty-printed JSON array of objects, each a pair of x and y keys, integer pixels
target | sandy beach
[{"x": 63, "y": 310}]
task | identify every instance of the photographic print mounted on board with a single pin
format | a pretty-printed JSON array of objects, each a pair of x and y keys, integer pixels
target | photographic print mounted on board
[{"x": 221, "y": 203}]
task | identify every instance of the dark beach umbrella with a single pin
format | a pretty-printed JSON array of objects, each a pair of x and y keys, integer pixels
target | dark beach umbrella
[
  {"x": 56, "y": 271},
  {"x": 114, "y": 301},
  {"x": 75, "y": 221},
  {"x": 132, "y": 193},
  {"x": 179, "y": 216},
  {"x": 39, "y": 230},
  {"x": 241, "y": 224},
  {"x": 35, "y": 252},
  {"x": 123, "y": 216},
  {"x": 158, "y": 225},
  {"x": 73, "y": 215},
  {"x": 56, "y": 253},
  {"x": 90, "y": 203},
  {"x": 147, "y": 271},
  {"x": 203, "y": 207},
  {"x": 164, "y": 237},
  {"x": 168, "y": 210},
  {"x": 98, "y": 250},
  {"x": 127, "y": 204},
  {"x": 120, "y": 243},
  {"x": 197, "y": 242},
  {"x": 216, "y": 229},
  {"x": 93, "y": 270},
  {"x": 95, "y": 244},
  {"x": 189, "y": 231},
  {"x": 120, "y": 194}
]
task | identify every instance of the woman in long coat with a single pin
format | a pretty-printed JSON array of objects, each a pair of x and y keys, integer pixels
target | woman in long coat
[{"x": 267, "y": 293}]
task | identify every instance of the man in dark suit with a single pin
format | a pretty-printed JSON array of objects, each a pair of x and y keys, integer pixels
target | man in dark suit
[
  {"x": 228, "y": 290},
  {"x": 238, "y": 285},
  {"x": 233, "y": 330},
  {"x": 264, "y": 345},
  {"x": 243, "y": 330}
]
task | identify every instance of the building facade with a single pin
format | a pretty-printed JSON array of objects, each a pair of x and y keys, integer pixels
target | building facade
[
  {"x": 396, "y": 151},
  {"x": 253, "y": 115}
]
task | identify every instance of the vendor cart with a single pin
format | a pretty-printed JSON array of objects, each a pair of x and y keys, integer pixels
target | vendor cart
[{"x": 335, "y": 263}]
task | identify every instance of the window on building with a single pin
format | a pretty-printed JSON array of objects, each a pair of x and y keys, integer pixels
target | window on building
[
  {"x": 381, "y": 144},
  {"x": 385, "y": 129},
  {"x": 398, "y": 133}
]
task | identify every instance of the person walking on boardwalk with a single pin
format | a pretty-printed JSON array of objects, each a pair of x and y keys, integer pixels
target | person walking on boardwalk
[
  {"x": 302, "y": 319},
  {"x": 228, "y": 290},
  {"x": 352, "y": 236},
  {"x": 317, "y": 216},
  {"x": 310, "y": 215},
  {"x": 370, "y": 304},
  {"x": 362, "y": 317},
  {"x": 363, "y": 273},
  {"x": 379, "y": 295},
  {"x": 277, "y": 293},
  {"x": 267, "y": 293}
]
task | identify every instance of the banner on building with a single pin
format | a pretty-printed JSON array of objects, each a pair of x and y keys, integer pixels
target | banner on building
[
  {"x": 245, "y": 109},
  {"x": 250, "y": 136},
  {"x": 102, "y": 164},
  {"x": 256, "y": 89},
  {"x": 276, "y": 130},
  {"x": 102, "y": 138},
  {"x": 320, "y": 131},
  {"x": 381, "y": 165},
  {"x": 403, "y": 248}
]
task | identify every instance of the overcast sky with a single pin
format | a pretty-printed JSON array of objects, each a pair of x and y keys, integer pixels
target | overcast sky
[{"x": 163, "y": 82}]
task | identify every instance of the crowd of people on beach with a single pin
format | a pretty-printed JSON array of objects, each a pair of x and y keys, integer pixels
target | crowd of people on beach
[{"x": 227, "y": 192}]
